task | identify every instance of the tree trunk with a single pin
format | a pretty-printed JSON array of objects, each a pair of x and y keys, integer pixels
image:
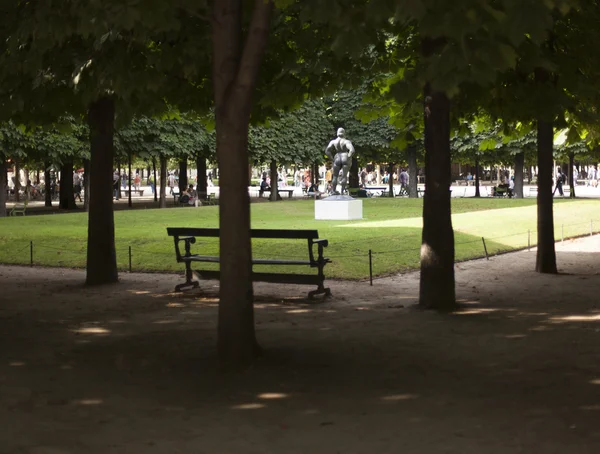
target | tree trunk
[
  {"x": 572, "y": 181},
  {"x": 477, "y": 191},
  {"x": 202, "y": 186},
  {"x": 519, "y": 167},
  {"x": 546, "y": 254},
  {"x": 86, "y": 184},
  {"x": 67, "y": 197},
  {"x": 183, "y": 178},
  {"x": 391, "y": 178},
  {"x": 353, "y": 181},
  {"x": 155, "y": 181},
  {"x": 163, "y": 182},
  {"x": 437, "y": 288},
  {"x": 413, "y": 177},
  {"x": 129, "y": 180},
  {"x": 274, "y": 186},
  {"x": 47, "y": 180},
  {"x": 236, "y": 68},
  {"x": 101, "y": 254},
  {"x": 3, "y": 188},
  {"x": 530, "y": 174},
  {"x": 17, "y": 172}
]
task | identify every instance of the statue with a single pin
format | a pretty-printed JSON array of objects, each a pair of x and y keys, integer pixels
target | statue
[{"x": 341, "y": 161}]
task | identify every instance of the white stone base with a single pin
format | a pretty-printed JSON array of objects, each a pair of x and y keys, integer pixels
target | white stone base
[{"x": 338, "y": 210}]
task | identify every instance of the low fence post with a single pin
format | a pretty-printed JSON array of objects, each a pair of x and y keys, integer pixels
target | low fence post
[
  {"x": 130, "y": 259},
  {"x": 485, "y": 248},
  {"x": 562, "y": 233},
  {"x": 31, "y": 253},
  {"x": 371, "y": 267}
]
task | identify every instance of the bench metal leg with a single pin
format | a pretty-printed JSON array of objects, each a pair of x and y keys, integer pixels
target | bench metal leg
[
  {"x": 319, "y": 291},
  {"x": 189, "y": 279}
]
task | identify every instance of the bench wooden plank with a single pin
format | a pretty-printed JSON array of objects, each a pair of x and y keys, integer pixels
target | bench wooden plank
[
  {"x": 275, "y": 278},
  {"x": 216, "y": 259},
  {"x": 254, "y": 233}
]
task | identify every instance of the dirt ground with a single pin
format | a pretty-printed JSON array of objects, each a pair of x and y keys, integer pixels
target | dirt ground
[{"x": 130, "y": 368}]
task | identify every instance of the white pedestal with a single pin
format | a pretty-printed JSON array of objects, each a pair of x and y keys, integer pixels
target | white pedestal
[{"x": 338, "y": 210}]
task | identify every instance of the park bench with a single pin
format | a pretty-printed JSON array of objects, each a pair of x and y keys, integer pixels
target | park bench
[
  {"x": 125, "y": 192},
  {"x": 19, "y": 209},
  {"x": 188, "y": 236}
]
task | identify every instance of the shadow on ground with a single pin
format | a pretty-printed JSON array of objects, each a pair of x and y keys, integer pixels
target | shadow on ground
[{"x": 131, "y": 368}]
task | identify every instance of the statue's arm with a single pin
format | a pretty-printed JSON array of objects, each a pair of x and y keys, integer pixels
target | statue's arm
[
  {"x": 328, "y": 149},
  {"x": 350, "y": 148}
]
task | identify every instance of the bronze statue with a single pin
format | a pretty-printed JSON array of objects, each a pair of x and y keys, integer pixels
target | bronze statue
[{"x": 342, "y": 160}]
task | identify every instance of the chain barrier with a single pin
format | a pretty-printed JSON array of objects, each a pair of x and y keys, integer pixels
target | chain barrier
[{"x": 136, "y": 255}]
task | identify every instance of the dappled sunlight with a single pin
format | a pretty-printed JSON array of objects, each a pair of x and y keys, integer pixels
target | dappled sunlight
[
  {"x": 97, "y": 330},
  {"x": 249, "y": 406},
  {"x": 165, "y": 322},
  {"x": 17, "y": 364},
  {"x": 139, "y": 292},
  {"x": 88, "y": 402},
  {"x": 175, "y": 305},
  {"x": 590, "y": 407},
  {"x": 515, "y": 336},
  {"x": 595, "y": 381},
  {"x": 575, "y": 318},
  {"x": 476, "y": 311},
  {"x": 272, "y": 396},
  {"x": 299, "y": 311},
  {"x": 399, "y": 397}
]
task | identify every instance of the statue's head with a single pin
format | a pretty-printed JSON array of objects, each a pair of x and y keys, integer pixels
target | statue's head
[{"x": 341, "y": 132}]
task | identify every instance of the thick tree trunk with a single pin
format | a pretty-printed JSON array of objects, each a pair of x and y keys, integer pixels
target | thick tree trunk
[
  {"x": 163, "y": 182},
  {"x": 129, "y": 180},
  {"x": 274, "y": 187},
  {"x": 546, "y": 254},
  {"x": 413, "y": 177},
  {"x": 67, "y": 197},
  {"x": 572, "y": 181},
  {"x": 101, "y": 254},
  {"x": 3, "y": 188},
  {"x": 183, "y": 178},
  {"x": 201, "y": 170},
  {"x": 236, "y": 68},
  {"x": 477, "y": 191},
  {"x": 155, "y": 180},
  {"x": 86, "y": 184},
  {"x": 437, "y": 287},
  {"x": 519, "y": 167},
  {"x": 47, "y": 180}
]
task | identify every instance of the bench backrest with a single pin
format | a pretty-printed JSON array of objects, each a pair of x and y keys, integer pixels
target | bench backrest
[
  {"x": 177, "y": 232},
  {"x": 254, "y": 233}
]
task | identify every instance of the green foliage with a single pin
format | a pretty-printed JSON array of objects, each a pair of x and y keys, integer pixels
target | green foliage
[{"x": 295, "y": 137}]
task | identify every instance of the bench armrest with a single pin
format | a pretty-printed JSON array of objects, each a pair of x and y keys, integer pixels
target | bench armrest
[
  {"x": 189, "y": 240},
  {"x": 323, "y": 243}
]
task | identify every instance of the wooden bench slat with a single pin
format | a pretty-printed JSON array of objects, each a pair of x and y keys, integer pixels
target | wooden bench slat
[
  {"x": 254, "y": 233},
  {"x": 276, "y": 278},
  {"x": 216, "y": 259}
]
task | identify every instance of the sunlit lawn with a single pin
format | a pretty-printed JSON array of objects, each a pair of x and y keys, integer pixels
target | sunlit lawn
[{"x": 391, "y": 228}]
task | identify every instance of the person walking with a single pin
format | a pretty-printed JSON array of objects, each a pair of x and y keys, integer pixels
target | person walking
[{"x": 560, "y": 180}]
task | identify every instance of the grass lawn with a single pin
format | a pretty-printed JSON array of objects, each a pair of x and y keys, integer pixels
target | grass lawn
[{"x": 391, "y": 228}]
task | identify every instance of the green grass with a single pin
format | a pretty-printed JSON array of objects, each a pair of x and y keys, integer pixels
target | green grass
[{"x": 391, "y": 228}]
